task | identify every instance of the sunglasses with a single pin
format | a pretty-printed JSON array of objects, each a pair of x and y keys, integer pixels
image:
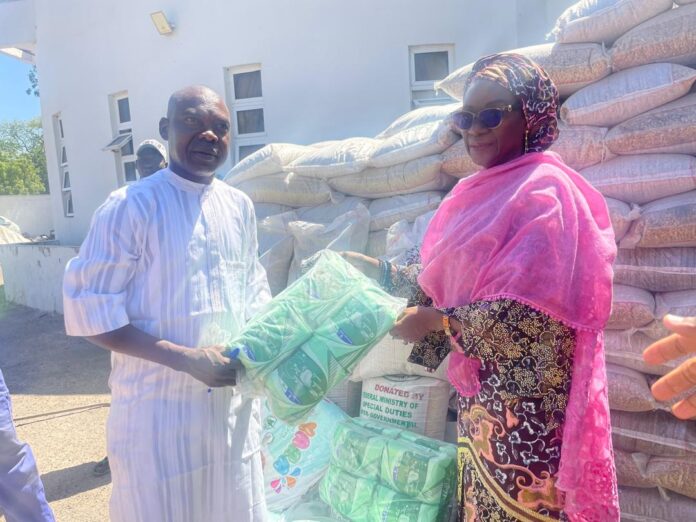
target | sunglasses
[{"x": 490, "y": 118}]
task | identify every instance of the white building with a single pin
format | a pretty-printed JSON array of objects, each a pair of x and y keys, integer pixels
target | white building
[{"x": 295, "y": 71}]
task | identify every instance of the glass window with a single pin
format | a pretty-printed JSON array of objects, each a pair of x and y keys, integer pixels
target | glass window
[
  {"x": 60, "y": 124},
  {"x": 66, "y": 180},
  {"x": 247, "y": 85},
  {"x": 247, "y": 150},
  {"x": 431, "y": 66},
  {"x": 250, "y": 121},
  {"x": 68, "y": 210},
  {"x": 124, "y": 110},
  {"x": 63, "y": 156},
  {"x": 129, "y": 170},
  {"x": 127, "y": 149}
]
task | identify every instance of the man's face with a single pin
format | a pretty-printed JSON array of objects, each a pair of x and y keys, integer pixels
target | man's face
[
  {"x": 148, "y": 161},
  {"x": 198, "y": 131}
]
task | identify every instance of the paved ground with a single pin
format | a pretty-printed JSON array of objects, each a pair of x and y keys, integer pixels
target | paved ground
[{"x": 60, "y": 403}]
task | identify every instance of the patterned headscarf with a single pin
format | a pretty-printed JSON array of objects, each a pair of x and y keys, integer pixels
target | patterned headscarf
[{"x": 528, "y": 81}]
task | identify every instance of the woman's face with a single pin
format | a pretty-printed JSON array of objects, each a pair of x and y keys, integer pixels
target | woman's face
[{"x": 490, "y": 147}]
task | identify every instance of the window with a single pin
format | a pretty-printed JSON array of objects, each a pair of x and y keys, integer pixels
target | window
[
  {"x": 429, "y": 63},
  {"x": 63, "y": 167},
  {"x": 122, "y": 143},
  {"x": 245, "y": 98}
]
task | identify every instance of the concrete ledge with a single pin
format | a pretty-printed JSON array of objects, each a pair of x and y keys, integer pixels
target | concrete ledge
[{"x": 33, "y": 274}]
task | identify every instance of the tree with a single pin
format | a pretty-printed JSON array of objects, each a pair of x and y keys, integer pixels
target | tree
[
  {"x": 18, "y": 176},
  {"x": 24, "y": 139}
]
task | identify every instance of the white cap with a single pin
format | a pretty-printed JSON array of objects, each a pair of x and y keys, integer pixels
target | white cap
[{"x": 155, "y": 145}]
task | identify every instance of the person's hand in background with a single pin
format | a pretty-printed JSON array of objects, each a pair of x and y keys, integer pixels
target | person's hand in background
[{"x": 682, "y": 378}]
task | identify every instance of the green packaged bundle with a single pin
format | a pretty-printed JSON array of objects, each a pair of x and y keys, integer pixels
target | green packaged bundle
[
  {"x": 310, "y": 336},
  {"x": 357, "y": 450},
  {"x": 349, "y": 496},
  {"x": 390, "y": 506},
  {"x": 419, "y": 472}
]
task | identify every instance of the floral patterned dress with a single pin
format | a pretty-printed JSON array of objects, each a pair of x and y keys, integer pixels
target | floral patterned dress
[{"x": 510, "y": 433}]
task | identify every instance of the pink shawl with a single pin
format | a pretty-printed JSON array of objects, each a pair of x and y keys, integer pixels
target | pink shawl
[{"x": 535, "y": 231}]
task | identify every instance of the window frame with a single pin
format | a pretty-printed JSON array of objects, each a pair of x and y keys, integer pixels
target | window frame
[
  {"x": 244, "y": 104},
  {"x": 122, "y": 135},
  {"x": 63, "y": 166},
  {"x": 429, "y": 85}
]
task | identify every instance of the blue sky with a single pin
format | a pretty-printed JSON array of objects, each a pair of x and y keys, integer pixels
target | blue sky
[{"x": 14, "y": 80}]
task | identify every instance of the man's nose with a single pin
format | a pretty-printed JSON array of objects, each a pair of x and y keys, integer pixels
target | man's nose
[{"x": 209, "y": 135}]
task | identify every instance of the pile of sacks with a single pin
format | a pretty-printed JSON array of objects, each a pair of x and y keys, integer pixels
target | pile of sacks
[
  {"x": 634, "y": 129},
  {"x": 626, "y": 71}
]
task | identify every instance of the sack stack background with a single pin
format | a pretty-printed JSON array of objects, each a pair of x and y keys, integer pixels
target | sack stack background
[{"x": 626, "y": 71}]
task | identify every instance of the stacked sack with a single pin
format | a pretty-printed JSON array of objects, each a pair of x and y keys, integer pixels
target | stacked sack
[
  {"x": 642, "y": 118},
  {"x": 369, "y": 195},
  {"x": 378, "y": 473}
]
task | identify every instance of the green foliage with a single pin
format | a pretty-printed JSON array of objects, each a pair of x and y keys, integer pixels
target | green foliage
[
  {"x": 22, "y": 158},
  {"x": 33, "y": 82},
  {"x": 18, "y": 176}
]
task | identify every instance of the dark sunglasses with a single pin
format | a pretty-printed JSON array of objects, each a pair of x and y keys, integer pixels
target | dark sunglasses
[{"x": 491, "y": 118}]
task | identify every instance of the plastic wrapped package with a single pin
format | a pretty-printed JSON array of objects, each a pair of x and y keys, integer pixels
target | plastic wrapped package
[
  {"x": 348, "y": 231},
  {"x": 276, "y": 246},
  {"x": 296, "y": 456},
  {"x": 348, "y": 495},
  {"x": 410, "y": 477},
  {"x": 311, "y": 336}
]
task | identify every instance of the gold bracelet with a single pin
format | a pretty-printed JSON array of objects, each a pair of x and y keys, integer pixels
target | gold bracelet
[{"x": 446, "y": 324}]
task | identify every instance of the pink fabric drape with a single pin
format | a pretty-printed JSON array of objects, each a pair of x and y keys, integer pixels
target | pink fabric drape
[{"x": 535, "y": 231}]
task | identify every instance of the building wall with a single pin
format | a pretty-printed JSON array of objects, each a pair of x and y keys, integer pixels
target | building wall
[
  {"x": 31, "y": 213},
  {"x": 17, "y": 20},
  {"x": 33, "y": 274},
  {"x": 330, "y": 69}
]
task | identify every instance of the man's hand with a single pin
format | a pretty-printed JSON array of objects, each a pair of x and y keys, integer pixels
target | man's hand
[
  {"x": 683, "y": 378},
  {"x": 209, "y": 366},
  {"x": 416, "y": 322}
]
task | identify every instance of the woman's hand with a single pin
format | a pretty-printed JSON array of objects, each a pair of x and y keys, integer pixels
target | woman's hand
[
  {"x": 683, "y": 378},
  {"x": 416, "y": 322},
  {"x": 366, "y": 264}
]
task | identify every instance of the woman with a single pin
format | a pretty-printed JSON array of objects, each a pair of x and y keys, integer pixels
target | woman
[{"x": 515, "y": 270}]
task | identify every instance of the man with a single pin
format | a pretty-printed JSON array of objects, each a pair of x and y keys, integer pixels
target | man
[
  {"x": 150, "y": 157},
  {"x": 683, "y": 378},
  {"x": 22, "y": 497},
  {"x": 167, "y": 274}
]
